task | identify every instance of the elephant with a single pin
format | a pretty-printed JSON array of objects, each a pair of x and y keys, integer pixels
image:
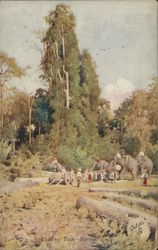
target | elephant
[
  {"x": 145, "y": 163},
  {"x": 129, "y": 164},
  {"x": 54, "y": 167},
  {"x": 99, "y": 165}
]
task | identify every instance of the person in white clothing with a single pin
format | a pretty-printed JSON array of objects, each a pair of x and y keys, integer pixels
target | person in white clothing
[
  {"x": 71, "y": 176},
  {"x": 141, "y": 154},
  {"x": 79, "y": 177},
  {"x": 118, "y": 156}
]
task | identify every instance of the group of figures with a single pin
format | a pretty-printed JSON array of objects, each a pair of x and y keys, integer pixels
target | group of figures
[
  {"x": 60, "y": 175},
  {"x": 126, "y": 163},
  {"x": 104, "y": 171},
  {"x": 99, "y": 175}
]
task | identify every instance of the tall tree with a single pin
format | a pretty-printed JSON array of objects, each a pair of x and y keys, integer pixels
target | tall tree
[
  {"x": 139, "y": 114},
  {"x": 73, "y": 98},
  {"x": 152, "y": 102},
  {"x": 60, "y": 63},
  {"x": 8, "y": 70},
  {"x": 15, "y": 114},
  {"x": 18, "y": 108}
]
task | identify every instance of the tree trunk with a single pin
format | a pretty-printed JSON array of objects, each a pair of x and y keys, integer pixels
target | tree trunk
[
  {"x": 30, "y": 114},
  {"x": 17, "y": 186},
  {"x": 155, "y": 119},
  {"x": 39, "y": 129},
  {"x": 147, "y": 204},
  {"x": 67, "y": 88},
  {"x": 57, "y": 53},
  {"x": 65, "y": 72},
  {"x": 119, "y": 191},
  {"x": 63, "y": 43},
  {"x": 14, "y": 140},
  {"x": 115, "y": 211},
  {"x": 1, "y": 106},
  {"x": 124, "y": 191}
]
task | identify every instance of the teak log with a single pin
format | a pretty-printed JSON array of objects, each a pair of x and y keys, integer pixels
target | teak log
[
  {"x": 17, "y": 186},
  {"x": 147, "y": 204},
  {"x": 124, "y": 191},
  {"x": 115, "y": 211}
]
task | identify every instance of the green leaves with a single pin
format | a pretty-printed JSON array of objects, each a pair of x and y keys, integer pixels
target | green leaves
[
  {"x": 42, "y": 112},
  {"x": 74, "y": 157}
]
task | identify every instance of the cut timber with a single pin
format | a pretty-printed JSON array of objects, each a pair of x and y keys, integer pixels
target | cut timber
[
  {"x": 115, "y": 211},
  {"x": 140, "y": 193},
  {"x": 33, "y": 179},
  {"x": 17, "y": 186},
  {"x": 147, "y": 204},
  {"x": 58, "y": 178},
  {"x": 122, "y": 191}
]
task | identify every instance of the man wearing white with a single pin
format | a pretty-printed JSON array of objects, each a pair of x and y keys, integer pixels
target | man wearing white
[
  {"x": 79, "y": 177},
  {"x": 118, "y": 156}
]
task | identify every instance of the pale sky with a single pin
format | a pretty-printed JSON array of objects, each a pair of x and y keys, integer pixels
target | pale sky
[{"x": 120, "y": 35}]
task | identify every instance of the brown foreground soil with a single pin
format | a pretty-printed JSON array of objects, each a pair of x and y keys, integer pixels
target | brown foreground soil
[{"x": 44, "y": 217}]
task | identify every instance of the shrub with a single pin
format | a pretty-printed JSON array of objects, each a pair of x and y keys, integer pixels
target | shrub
[
  {"x": 39, "y": 145},
  {"x": 5, "y": 150},
  {"x": 27, "y": 163},
  {"x": 154, "y": 136},
  {"x": 74, "y": 157}
]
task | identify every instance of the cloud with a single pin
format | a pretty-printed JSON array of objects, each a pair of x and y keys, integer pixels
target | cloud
[{"x": 117, "y": 92}]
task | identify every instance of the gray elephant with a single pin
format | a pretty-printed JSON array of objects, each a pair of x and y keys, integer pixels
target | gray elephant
[
  {"x": 145, "y": 163},
  {"x": 129, "y": 164},
  {"x": 99, "y": 165},
  {"x": 54, "y": 167}
]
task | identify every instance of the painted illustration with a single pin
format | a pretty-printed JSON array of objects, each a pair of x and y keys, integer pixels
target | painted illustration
[{"x": 78, "y": 125}]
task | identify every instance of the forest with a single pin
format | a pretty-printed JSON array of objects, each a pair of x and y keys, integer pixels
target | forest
[{"x": 68, "y": 118}]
